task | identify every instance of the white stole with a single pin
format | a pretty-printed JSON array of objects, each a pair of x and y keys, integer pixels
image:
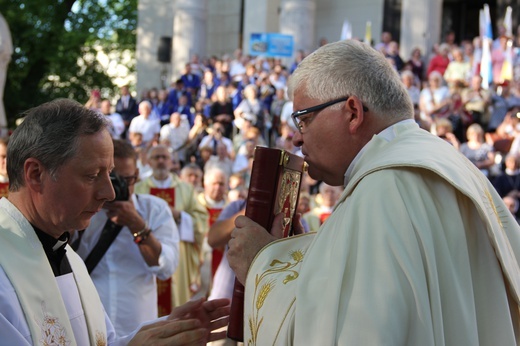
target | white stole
[{"x": 24, "y": 261}]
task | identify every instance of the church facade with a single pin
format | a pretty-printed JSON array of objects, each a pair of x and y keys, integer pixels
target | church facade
[{"x": 170, "y": 32}]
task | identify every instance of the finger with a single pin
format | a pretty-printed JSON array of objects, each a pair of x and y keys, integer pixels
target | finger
[
  {"x": 175, "y": 327},
  {"x": 217, "y": 336},
  {"x": 278, "y": 226},
  {"x": 189, "y": 337},
  {"x": 297, "y": 225},
  {"x": 219, "y": 323},
  {"x": 185, "y": 309},
  {"x": 215, "y": 304},
  {"x": 219, "y": 313},
  {"x": 157, "y": 324},
  {"x": 241, "y": 221}
]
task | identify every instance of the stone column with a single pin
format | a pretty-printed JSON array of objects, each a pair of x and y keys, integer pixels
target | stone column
[
  {"x": 6, "y": 50},
  {"x": 297, "y": 18},
  {"x": 420, "y": 26},
  {"x": 189, "y": 32}
]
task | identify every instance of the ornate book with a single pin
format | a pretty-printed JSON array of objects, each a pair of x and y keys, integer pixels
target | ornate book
[{"x": 274, "y": 188}]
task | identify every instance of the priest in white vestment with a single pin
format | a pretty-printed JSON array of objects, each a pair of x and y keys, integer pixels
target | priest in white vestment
[
  {"x": 419, "y": 250},
  {"x": 59, "y": 161}
]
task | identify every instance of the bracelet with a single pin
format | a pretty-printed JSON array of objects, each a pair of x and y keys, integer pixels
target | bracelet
[{"x": 140, "y": 236}]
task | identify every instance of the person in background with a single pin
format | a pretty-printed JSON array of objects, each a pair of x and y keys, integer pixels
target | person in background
[
  {"x": 440, "y": 61},
  {"x": 192, "y": 174},
  {"x": 117, "y": 125},
  {"x": 435, "y": 100},
  {"x": 94, "y": 101},
  {"x": 190, "y": 217},
  {"x": 214, "y": 199},
  {"x": 443, "y": 128},
  {"x": 478, "y": 151},
  {"x": 144, "y": 124},
  {"x": 476, "y": 101},
  {"x": 127, "y": 107},
  {"x": 3, "y": 160},
  {"x": 175, "y": 135}
]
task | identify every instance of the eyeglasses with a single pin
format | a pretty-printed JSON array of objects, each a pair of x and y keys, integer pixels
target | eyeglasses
[
  {"x": 131, "y": 179},
  {"x": 296, "y": 115},
  {"x": 157, "y": 157}
]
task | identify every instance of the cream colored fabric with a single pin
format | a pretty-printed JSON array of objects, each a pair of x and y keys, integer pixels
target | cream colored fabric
[
  {"x": 37, "y": 290},
  {"x": 420, "y": 250},
  {"x": 186, "y": 279}
]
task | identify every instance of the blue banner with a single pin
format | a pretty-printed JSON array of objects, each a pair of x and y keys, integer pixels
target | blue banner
[{"x": 271, "y": 45}]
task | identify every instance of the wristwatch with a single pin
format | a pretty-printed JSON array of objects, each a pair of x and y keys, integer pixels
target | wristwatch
[{"x": 140, "y": 236}]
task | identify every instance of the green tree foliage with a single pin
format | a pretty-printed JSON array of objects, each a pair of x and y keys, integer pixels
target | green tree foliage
[{"x": 56, "y": 42}]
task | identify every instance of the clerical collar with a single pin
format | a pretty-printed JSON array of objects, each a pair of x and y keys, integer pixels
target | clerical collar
[
  {"x": 55, "y": 251},
  {"x": 162, "y": 184}
]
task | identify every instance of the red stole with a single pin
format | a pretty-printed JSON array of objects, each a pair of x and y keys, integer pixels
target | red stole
[
  {"x": 164, "y": 288},
  {"x": 217, "y": 253},
  {"x": 323, "y": 217}
]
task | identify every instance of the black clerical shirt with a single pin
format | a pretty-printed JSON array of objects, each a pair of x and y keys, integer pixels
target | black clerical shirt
[{"x": 55, "y": 251}]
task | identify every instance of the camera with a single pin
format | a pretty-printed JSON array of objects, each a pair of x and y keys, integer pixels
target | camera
[{"x": 120, "y": 187}]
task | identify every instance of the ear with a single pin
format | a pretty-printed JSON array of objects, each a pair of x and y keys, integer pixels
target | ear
[
  {"x": 356, "y": 114},
  {"x": 34, "y": 172}
]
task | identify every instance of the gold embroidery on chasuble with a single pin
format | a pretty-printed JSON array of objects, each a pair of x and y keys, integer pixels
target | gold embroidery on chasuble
[
  {"x": 101, "y": 339},
  {"x": 53, "y": 333},
  {"x": 265, "y": 283}
]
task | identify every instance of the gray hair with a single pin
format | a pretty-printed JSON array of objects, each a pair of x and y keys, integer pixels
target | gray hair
[
  {"x": 158, "y": 147},
  {"x": 50, "y": 134},
  {"x": 213, "y": 171},
  {"x": 352, "y": 68}
]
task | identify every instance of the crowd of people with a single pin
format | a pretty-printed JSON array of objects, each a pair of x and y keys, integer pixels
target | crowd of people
[{"x": 183, "y": 155}]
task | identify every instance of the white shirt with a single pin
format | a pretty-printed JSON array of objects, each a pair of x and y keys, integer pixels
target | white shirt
[
  {"x": 125, "y": 283},
  {"x": 117, "y": 125},
  {"x": 285, "y": 116},
  {"x": 207, "y": 141},
  {"x": 148, "y": 127},
  {"x": 176, "y": 136}
]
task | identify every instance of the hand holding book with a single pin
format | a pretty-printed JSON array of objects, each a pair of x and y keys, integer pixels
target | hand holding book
[{"x": 271, "y": 204}]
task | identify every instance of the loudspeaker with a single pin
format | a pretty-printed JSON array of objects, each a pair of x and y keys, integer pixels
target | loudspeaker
[{"x": 164, "y": 52}]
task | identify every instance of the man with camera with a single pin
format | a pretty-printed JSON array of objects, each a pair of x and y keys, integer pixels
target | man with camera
[{"x": 142, "y": 241}]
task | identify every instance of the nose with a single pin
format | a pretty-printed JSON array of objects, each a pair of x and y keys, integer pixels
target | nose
[
  {"x": 106, "y": 190},
  {"x": 297, "y": 139}
]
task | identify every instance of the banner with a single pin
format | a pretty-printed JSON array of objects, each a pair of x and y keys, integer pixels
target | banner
[
  {"x": 487, "y": 38},
  {"x": 346, "y": 31},
  {"x": 271, "y": 45}
]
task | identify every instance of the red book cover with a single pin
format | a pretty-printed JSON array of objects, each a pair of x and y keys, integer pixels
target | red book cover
[
  {"x": 274, "y": 187},
  {"x": 4, "y": 189},
  {"x": 167, "y": 194},
  {"x": 164, "y": 287}
]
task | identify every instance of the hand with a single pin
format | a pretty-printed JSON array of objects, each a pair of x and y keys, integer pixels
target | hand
[
  {"x": 176, "y": 215},
  {"x": 173, "y": 332},
  {"x": 297, "y": 226},
  {"x": 247, "y": 239},
  {"x": 212, "y": 315},
  {"x": 124, "y": 213}
]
